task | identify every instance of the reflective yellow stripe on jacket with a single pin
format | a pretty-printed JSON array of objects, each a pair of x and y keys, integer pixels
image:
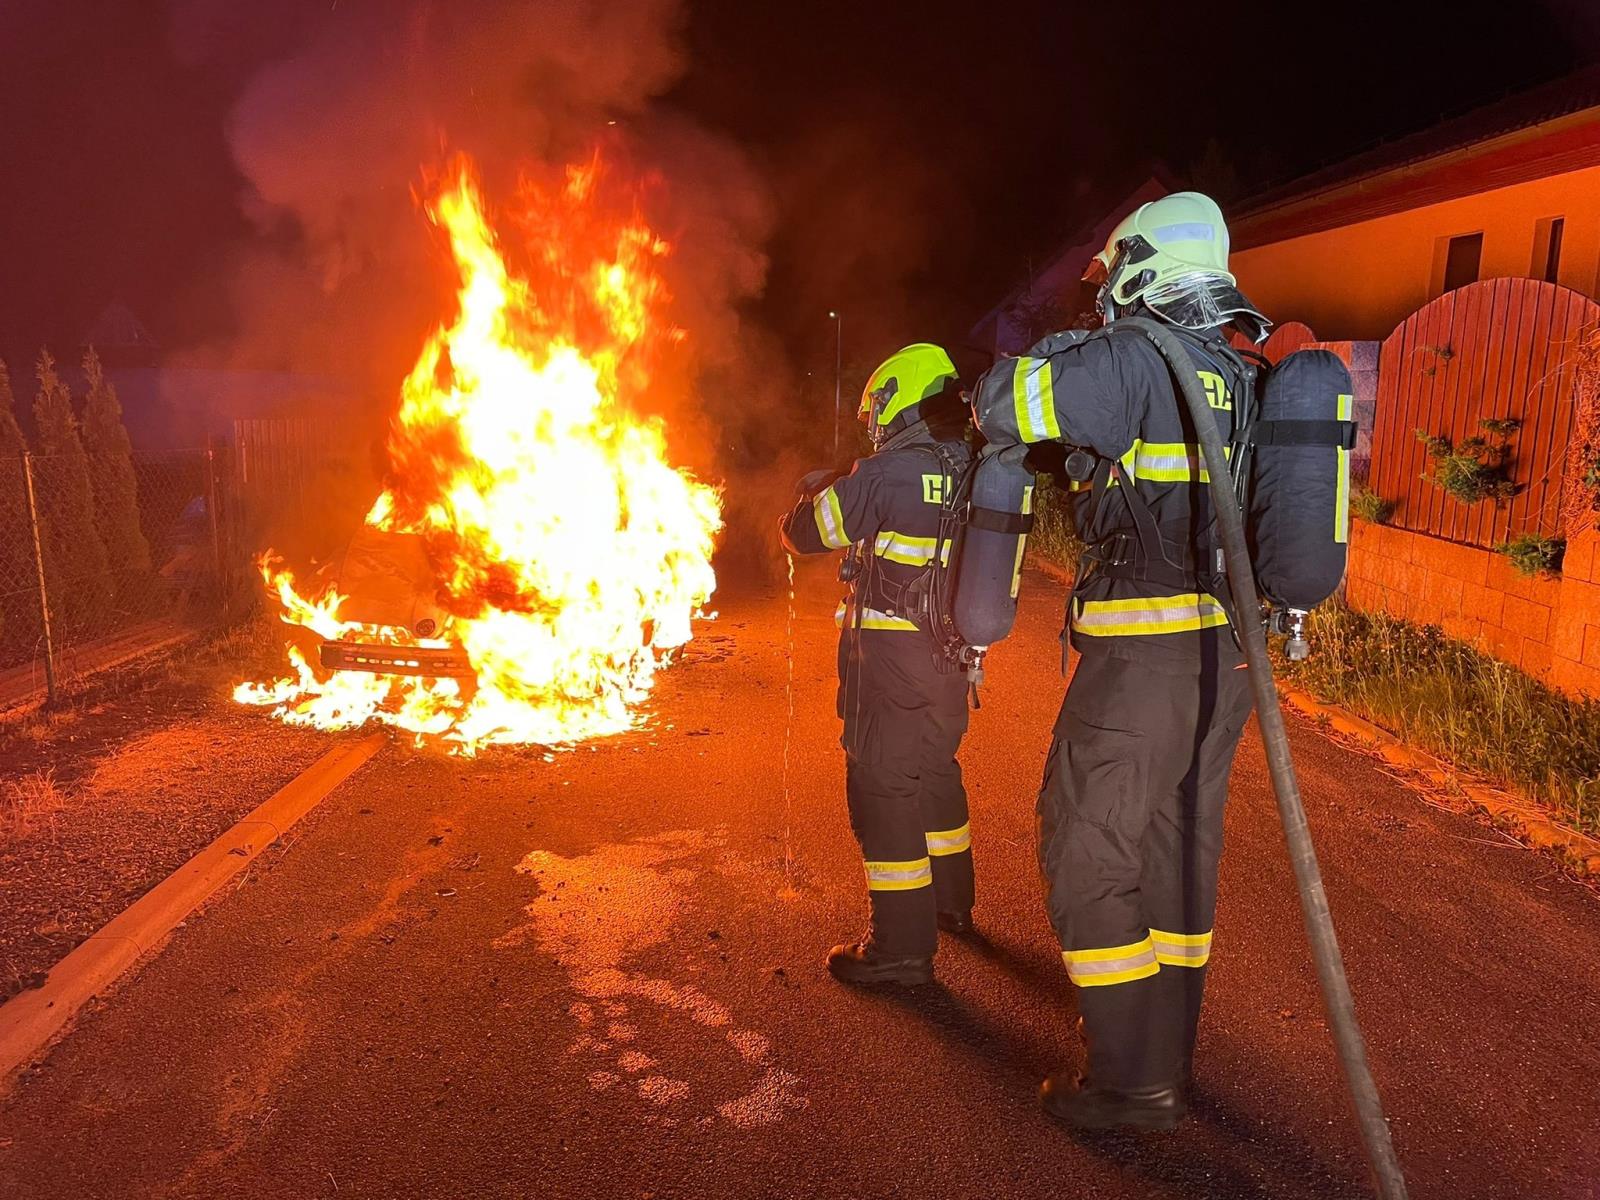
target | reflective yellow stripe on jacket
[
  {"x": 830, "y": 519},
  {"x": 899, "y": 876},
  {"x": 1111, "y": 964},
  {"x": 1139, "y": 615},
  {"x": 1160, "y": 462},
  {"x": 1181, "y": 949},
  {"x": 871, "y": 618},
  {"x": 950, "y": 841},
  {"x": 906, "y": 549},
  {"x": 1033, "y": 394}
]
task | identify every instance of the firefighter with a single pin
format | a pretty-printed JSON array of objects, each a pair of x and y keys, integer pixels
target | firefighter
[
  {"x": 1130, "y": 810},
  {"x": 904, "y": 707}
]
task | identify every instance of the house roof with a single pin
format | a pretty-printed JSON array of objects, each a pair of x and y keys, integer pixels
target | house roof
[
  {"x": 117, "y": 328},
  {"x": 1085, "y": 239},
  {"x": 1545, "y": 130}
]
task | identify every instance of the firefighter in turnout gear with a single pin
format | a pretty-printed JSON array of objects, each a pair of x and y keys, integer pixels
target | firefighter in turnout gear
[
  {"x": 1130, "y": 810},
  {"x": 903, "y": 705}
]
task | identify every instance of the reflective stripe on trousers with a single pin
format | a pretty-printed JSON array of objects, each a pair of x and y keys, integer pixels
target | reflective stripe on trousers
[
  {"x": 1137, "y": 960},
  {"x": 950, "y": 841},
  {"x": 1105, "y": 965},
  {"x": 1181, "y": 949},
  {"x": 899, "y": 876}
]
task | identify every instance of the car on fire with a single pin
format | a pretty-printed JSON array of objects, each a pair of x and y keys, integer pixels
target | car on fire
[{"x": 394, "y": 621}]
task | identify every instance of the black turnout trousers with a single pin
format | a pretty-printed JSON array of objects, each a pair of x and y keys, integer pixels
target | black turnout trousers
[
  {"x": 1130, "y": 834},
  {"x": 903, "y": 723}
]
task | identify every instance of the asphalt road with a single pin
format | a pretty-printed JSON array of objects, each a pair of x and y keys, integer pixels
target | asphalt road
[{"x": 600, "y": 975}]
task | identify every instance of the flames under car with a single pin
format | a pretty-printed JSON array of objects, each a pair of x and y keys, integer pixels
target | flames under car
[{"x": 391, "y": 592}]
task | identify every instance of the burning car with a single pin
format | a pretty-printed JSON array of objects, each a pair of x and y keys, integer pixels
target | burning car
[
  {"x": 391, "y": 602},
  {"x": 524, "y": 489}
]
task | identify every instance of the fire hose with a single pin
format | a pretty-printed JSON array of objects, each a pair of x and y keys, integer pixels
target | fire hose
[{"x": 1340, "y": 1004}]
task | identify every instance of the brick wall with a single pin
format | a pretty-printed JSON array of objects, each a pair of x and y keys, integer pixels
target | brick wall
[
  {"x": 1362, "y": 359},
  {"x": 1550, "y": 627}
]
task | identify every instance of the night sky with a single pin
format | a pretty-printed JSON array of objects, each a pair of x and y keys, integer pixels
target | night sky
[{"x": 914, "y": 157}]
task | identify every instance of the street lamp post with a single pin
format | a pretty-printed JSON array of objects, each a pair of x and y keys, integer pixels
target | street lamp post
[{"x": 838, "y": 375}]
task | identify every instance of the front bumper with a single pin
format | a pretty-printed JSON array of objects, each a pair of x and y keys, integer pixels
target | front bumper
[{"x": 446, "y": 661}]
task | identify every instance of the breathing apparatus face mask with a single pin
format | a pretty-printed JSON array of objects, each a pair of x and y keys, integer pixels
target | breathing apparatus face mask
[
  {"x": 1123, "y": 275},
  {"x": 876, "y": 403}
]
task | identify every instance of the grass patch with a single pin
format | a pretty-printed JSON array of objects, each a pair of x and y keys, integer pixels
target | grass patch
[
  {"x": 1053, "y": 537},
  {"x": 29, "y": 804},
  {"x": 1447, "y": 698}
]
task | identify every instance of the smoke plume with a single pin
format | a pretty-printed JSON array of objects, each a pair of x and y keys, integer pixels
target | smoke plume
[{"x": 348, "y": 105}]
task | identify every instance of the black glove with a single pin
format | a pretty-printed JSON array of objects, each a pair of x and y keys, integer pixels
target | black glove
[{"x": 814, "y": 483}]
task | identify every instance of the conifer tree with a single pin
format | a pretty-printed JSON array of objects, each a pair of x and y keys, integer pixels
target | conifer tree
[
  {"x": 116, "y": 488},
  {"x": 17, "y": 582},
  {"x": 11, "y": 441},
  {"x": 75, "y": 557}
]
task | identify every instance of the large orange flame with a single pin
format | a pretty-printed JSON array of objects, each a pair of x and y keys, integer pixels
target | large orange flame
[{"x": 569, "y": 552}]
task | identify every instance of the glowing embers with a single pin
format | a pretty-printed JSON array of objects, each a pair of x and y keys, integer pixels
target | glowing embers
[{"x": 535, "y": 556}]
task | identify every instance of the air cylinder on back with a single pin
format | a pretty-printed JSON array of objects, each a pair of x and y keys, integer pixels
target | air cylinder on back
[
  {"x": 989, "y": 558},
  {"x": 1299, "y": 517}
]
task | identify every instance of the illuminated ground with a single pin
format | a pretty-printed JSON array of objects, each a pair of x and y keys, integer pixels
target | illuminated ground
[{"x": 392, "y": 1008}]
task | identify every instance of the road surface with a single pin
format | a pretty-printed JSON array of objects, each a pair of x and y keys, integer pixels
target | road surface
[{"x": 600, "y": 975}]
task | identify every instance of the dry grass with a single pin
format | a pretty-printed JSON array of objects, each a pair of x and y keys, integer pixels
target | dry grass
[
  {"x": 42, "y": 724},
  {"x": 1580, "y": 505},
  {"x": 144, "y": 770},
  {"x": 1053, "y": 537},
  {"x": 30, "y": 804},
  {"x": 1448, "y": 698}
]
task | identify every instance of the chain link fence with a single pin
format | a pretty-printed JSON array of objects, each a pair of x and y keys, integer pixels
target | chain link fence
[{"x": 104, "y": 558}]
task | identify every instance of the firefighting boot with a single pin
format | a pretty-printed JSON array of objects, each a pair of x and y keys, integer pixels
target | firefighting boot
[
  {"x": 860, "y": 963},
  {"x": 1185, "y": 1064},
  {"x": 956, "y": 922},
  {"x": 1068, "y": 1097}
]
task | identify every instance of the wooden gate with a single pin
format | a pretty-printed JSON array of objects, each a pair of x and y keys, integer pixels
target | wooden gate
[
  {"x": 1284, "y": 340},
  {"x": 1495, "y": 349}
]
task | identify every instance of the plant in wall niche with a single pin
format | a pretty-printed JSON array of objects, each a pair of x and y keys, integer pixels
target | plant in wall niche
[
  {"x": 1476, "y": 468},
  {"x": 1531, "y": 554},
  {"x": 1368, "y": 506}
]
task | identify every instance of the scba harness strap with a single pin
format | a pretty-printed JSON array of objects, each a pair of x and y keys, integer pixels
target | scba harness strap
[
  {"x": 1341, "y": 434},
  {"x": 928, "y": 599},
  {"x": 1148, "y": 555}
]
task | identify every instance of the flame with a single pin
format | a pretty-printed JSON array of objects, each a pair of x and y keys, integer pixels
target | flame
[{"x": 569, "y": 553}]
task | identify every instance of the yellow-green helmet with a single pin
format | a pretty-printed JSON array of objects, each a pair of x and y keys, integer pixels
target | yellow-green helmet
[
  {"x": 908, "y": 377},
  {"x": 1180, "y": 234},
  {"x": 1172, "y": 253}
]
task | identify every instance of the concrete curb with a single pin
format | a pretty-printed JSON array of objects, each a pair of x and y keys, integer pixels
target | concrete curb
[
  {"x": 1577, "y": 850},
  {"x": 31, "y": 1019},
  {"x": 1527, "y": 819}
]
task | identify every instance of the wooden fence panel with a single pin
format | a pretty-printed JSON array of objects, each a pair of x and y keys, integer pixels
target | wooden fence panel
[
  {"x": 1285, "y": 339},
  {"x": 1494, "y": 349}
]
